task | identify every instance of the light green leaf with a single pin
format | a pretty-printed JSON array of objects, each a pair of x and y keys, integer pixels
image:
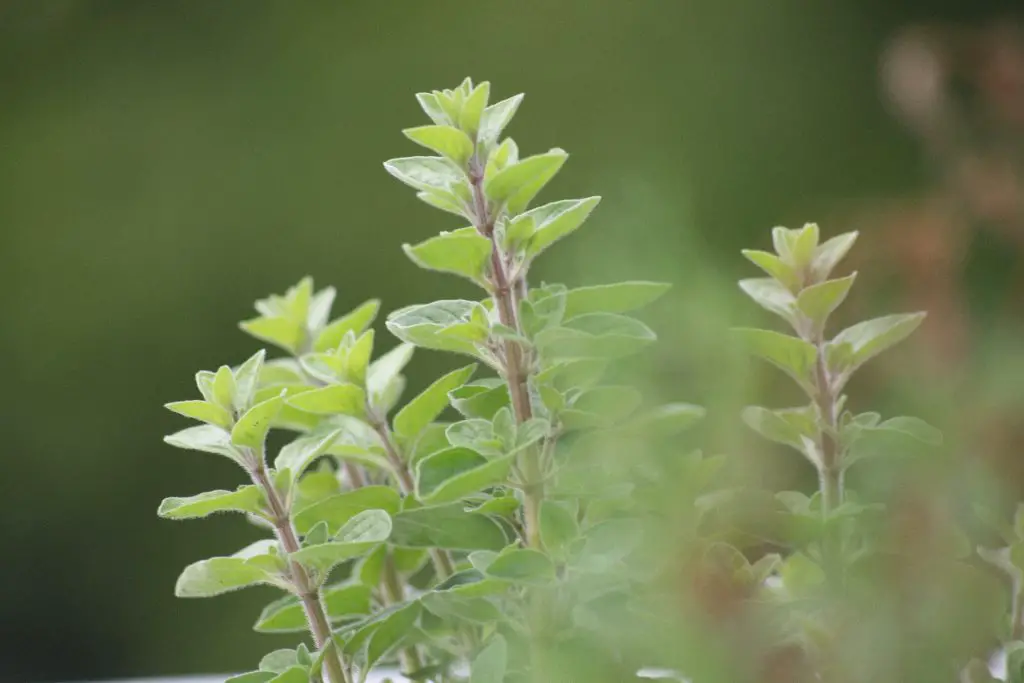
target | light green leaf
[
  {"x": 496, "y": 117},
  {"x": 278, "y": 661},
  {"x": 297, "y": 455},
  {"x": 224, "y": 387},
  {"x": 518, "y": 183},
  {"x": 870, "y": 338},
  {"x": 337, "y": 510},
  {"x": 356, "y": 322},
  {"x": 793, "y": 427},
  {"x": 473, "y": 108},
  {"x": 774, "y": 266},
  {"x": 447, "y": 141},
  {"x": 595, "y": 335},
  {"x": 425, "y": 173},
  {"x": 209, "y": 413},
  {"x": 208, "y": 438},
  {"x": 818, "y": 301},
  {"x": 600, "y": 406},
  {"x": 464, "y": 252},
  {"x": 829, "y": 254},
  {"x": 490, "y": 665},
  {"x": 793, "y": 356},
  {"x": 432, "y": 108},
  {"x": 480, "y": 399},
  {"x": 446, "y": 201},
  {"x": 391, "y": 632},
  {"x": 621, "y": 297},
  {"x": 913, "y": 427},
  {"x": 357, "y": 537},
  {"x": 522, "y": 565},
  {"x": 218, "y": 575},
  {"x": 246, "y": 499},
  {"x": 471, "y": 583},
  {"x": 336, "y": 399},
  {"x": 384, "y": 377},
  {"x": 477, "y": 435},
  {"x": 442, "y": 326},
  {"x": 295, "y": 674},
  {"x": 246, "y": 380},
  {"x": 666, "y": 420},
  {"x": 251, "y": 677},
  {"x": 424, "y": 409},
  {"x": 453, "y": 607},
  {"x": 556, "y": 220},
  {"x": 457, "y": 473},
  {"x": 285, "y": 333},
  {"x": 343, "y": 602},
  {"x": 251, "y": 429},
  {"x": 446, "y": 526},
  {"x": 772, "y": 296},
  {"x": 558, "y": 528}
]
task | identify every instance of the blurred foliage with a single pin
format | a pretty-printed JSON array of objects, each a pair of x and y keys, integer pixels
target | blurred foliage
[{"x": 163, "y": 163}]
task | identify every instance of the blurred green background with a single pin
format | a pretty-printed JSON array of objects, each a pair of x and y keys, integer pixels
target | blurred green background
[{"x": 165, "y": 163}]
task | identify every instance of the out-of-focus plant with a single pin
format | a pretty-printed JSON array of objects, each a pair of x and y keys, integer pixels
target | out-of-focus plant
[{"x": 537, "y": 524}]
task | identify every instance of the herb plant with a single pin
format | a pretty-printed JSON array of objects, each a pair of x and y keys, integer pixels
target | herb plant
[{"x": 504, "y": 524}]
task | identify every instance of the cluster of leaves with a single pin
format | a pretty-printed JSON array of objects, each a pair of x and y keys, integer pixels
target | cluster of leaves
[{"x": 505, "y": 527}]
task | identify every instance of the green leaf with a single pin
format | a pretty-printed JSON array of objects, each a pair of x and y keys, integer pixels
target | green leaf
[
  {"x": 357, "y": 537},
  {"x": 442, "y": 326},
  {"x": 432, "y": 108},
  {"x": 621, "y": 297},
  {"x": 446, "y": 526},
  {"x": 793, "y": 356},
  {"x": 251, "y": 677},
  {"x": 224, "y": 387},
  {"x": 454, "y": 607},
  {"x": 251, "y": 429},
  {"x": 446, "y": 201},
  {"x": 829, "y": 254},
  {"x": 391, "y": 632},
  {"x": 496, "y": 117},
  {"x": 298, "y": 455},
  {"x": 464, "y": 252},
  {"x": 522, "y": 565},
  {"x": 384, "y": 377},
  {"x": 207, "y": 438},
  {"x": 480, "y": 399},
  {"x": 556, "y": 220},
  {"x": 818, "y": 301},
  {"x": 425, "y": 173},
  {"x": 337, "y": 510},
  {"x": 447, "y": 141},
  {"x": 868, "y": 339},
  {"x": 356, "y": 322},
  {"x": 278, "y": 661},
  {"x": 601, "y": 405},
  {"x": 343, "y": 602},
  {"x": 490, "y": 665},
  {"x": 518, "y": 183},
  {"x": 246, "y": 380},
  {"x": 218, "y": 575},
  {"x": 285, "y": 333},
  {"x": 595, "y": 335},
  {"x": 477, "y": 435},
  {"x": 245, "y": 499},
  {"x": 771, "y": 296},
  {"x": 457, "y": 473},
  {"x": 913, "y": 427},
  {"x": 210, "y": 413},
  {"x": 336, "y": 399},
  {"x": 424, "y": 409},
  {"x": 295, "y": 674},
  {"x": 558, "y": 528},
  {"x": 473, "y": 108},
  {"x": 666, "y": 420},
  {"x": 774, "y": 266},
  {"x": 794, "y": 428}
]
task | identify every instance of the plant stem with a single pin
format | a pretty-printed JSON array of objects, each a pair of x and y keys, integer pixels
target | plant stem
[
  {"x": 830, "y": 471},
  {"x": 516, "y": 376},
  {"x": 410, "y": 656},
  {"x": 309, "y": 593}
]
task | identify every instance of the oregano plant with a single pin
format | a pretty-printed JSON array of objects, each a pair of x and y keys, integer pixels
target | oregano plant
[{"x": 504, "y": 524}]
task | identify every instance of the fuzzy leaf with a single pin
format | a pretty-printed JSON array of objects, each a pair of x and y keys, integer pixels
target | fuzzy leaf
[
  {"x": 866, "y": 340},
  {"x": 595, "y": 335},
  {"x": 621, "y": 297},
  {"x": 336, "y": 399},
  {"x": 818, "y": 301},
  {"x": 206, "y": 438},
  {"x": 357, "y": 537},
  {"x": 218, "y": 575},
  {"x": 424, "y": 409},
  {"x": 774, "y": 266},
  {"x": 519, "y": 183},
  {"x": 447, "y": 141},
  {"x": 357, "y": 321},
  {"x": 793, "y": 356},
  {"x": 490, "y": 665},
  {"x": 337, "y": 510},
  {"x": 246, "y": 380},
  {"x": 829, "y": 254},
  {"x": 425, "y": 173},
  {"x": 558, "y": 528},
  {"x": 246, "y": 499},
  {"x": 391, "y": 632},
  {"x": 441, "y": 325},
  {"x": 496, "y": 117},
  {"x": 344, "y": 601},
  {"x": 446, "y": 526},
  {"x": 556, "y": 220},
  {"x": 298, "y": 455},
  {"x": 207, "y": 412},
  {"x": 285, "y": 333},
  {"x": 464, "y": 252},
  {"x": 457, "y": 473},
  {"x": 251, "y": 429},
  {"x": 771, "y": 296},
  {"x": 522, "y": 565}
]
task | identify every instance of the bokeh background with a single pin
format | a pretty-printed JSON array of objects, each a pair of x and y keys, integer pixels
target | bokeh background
[{"x": 163, "y": 164}]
